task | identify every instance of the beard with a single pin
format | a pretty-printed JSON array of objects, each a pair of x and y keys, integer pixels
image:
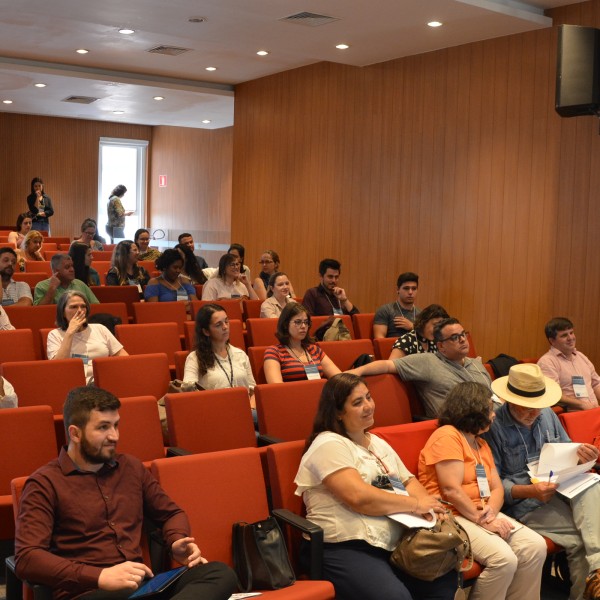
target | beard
[{"x": 96, "y": 456}]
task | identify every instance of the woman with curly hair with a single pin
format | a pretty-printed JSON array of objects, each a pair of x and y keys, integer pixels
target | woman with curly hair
[
  {"x": 457, "y": 465},
  {"x": 215, "y": 363}
]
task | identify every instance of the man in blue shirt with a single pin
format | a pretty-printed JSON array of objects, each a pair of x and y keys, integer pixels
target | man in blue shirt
[{"x": 522, "y": 426}]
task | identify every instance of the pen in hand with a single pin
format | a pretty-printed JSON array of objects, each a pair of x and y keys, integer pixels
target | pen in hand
[{"x": 550, "y": 476}]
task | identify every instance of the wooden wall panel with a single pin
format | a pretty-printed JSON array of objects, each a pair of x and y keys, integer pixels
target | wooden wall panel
[
  {"x": 64, "y": 153},
  {"x": 197, "y": 199},
  {"x": 453, "y": 164}
]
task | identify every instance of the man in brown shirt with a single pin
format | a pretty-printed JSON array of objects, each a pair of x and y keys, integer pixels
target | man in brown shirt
[{"x": 80, "y": 518}]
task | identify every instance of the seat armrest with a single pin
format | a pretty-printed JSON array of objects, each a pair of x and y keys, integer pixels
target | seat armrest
[
  {"x": 315, "y": 534},
  {"x": 177, "y": 451},
  {"x": 14, "y": 586},
  {"x": 266, "y": 440}
]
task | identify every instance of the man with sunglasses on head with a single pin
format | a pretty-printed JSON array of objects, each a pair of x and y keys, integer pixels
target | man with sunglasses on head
[{"x": 434, "y": 375}]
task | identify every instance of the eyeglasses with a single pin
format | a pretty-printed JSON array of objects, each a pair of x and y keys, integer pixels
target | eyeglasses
[
  {"x": 235, "y": 265},
  {"x": 301, "y": 322},
  {"x": 456, "y": 337},
  {"x": 90, "y": 232}
]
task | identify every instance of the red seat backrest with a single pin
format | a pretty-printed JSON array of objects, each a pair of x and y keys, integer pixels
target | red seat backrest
[
  {"x": 287, "y": 410},
  {"x": 17, "y": 345},
  {"x": 383, "y": 347},
  {"x": 344, "y": 353},
  {"x": 363, "y": 325},
  {"x": 210, "y": 420},
  {"x": 392, "y": 399},
  {"x": 140, "y": 432},
  {"x": 582, "y": 426},
  {"x": 256, "y": 354},
  {"x": 261, "y": 332}
]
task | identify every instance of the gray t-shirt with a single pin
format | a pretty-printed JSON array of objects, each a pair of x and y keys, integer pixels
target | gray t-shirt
[
  {"x": 433, "y": 376},
  {"x": 385, "y": 316}
]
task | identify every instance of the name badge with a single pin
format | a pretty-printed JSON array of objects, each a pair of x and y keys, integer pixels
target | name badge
[
  {"x": 482, "y": 482},
  {"x": 84, "y": 357},
  {"x": 398, "y": 486},
  {"x": 235, "y": 296},
  {"x": 579, "y": 387},
  {"x": 7, "y": 301},
  {"x": 312, "y": 372},
  {"x": 338, "y": 312},
  {"x": 182, "y": 297}
]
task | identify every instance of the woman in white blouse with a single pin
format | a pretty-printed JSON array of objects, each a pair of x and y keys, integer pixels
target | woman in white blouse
[
  {"x": 76, "y": 338},
  {"x": 278, "y": 295},
  {"x": 215, "y": 363},
  {"x": 345, "y": 479},
  {"x": 229, "y": 283}
]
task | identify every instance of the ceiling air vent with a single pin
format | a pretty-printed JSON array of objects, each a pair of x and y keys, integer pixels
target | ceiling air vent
[
  {"x": 80, "y": 99},
  {"x": 309, "y": 19},
  {"x": 168, "y": 50}
]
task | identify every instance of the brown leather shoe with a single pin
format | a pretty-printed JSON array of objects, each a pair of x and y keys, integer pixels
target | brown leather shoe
[{"x": 592, "y": 586}]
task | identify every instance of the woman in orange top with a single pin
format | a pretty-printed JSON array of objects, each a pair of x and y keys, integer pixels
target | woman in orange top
[{"x": 458, "y": 466}]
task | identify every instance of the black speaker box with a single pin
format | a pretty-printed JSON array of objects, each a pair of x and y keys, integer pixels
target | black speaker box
[{"x": 578, "y": 71}]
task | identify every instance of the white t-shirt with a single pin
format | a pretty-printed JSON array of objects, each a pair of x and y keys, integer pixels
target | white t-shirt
[
  {"x": 331, "y": 452},
  {"x": 5, "y": 323},
  {"x": 219, "y": 376},
  {"x": 9, "y": 400},
  {"x": 95, "y": 341}
]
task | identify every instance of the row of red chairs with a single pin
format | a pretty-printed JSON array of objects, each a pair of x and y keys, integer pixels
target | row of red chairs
[{"x": 185, "y": 478}]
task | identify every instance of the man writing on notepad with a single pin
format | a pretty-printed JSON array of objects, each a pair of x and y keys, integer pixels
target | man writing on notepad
[
  {"x": 80, "y": 518},
  {"x": 522, "y": 426}
]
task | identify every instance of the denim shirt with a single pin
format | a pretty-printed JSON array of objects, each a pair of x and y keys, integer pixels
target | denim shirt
[{"x": 515, "y": 445}]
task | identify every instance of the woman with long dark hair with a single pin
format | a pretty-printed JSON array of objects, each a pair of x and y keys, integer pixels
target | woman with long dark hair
[
  {"x": 191, "y": 268},
  {"x": 82, "y": 263},
  {"x": 215, "y": 363},
  {"x": 345, "y": 479},
  {"x": 24, "y": 224},
  {"x": 40, "y": 206}
]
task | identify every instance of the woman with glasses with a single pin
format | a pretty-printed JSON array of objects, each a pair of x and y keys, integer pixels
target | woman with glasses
[
  {"x": 269, "y": 263},
  {"x": 215, "y": 363},
  {"x": 88, "y": 231},
  {"x": 345, "y": 480},
  {"x": 420, "y": 338},
  {"x": 75, "y": 337},
  {"x": 278, "y": 296},
  {"x": 296, "y": 357},
  {"x": 23, "y": 228},
  {"x": 142, "y": 239},
  {"x": 229, "y": 283},
  {"x": 125, "y": 269},
  {"x": 457, "y": 465}
]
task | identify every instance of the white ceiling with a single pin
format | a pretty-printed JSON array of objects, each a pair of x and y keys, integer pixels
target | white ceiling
[{"x": 38, "y": 39}]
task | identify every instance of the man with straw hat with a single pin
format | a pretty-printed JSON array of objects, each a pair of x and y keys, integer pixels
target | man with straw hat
[{"x": 522, "y": 426}]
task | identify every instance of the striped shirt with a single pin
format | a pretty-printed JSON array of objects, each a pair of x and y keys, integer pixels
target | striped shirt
[{"x": 291, "y": 368}]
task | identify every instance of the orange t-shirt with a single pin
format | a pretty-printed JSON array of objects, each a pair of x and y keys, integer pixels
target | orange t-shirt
[{"x": 448, "y": 443}]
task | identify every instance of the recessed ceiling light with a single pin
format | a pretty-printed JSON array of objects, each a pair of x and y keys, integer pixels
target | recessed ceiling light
[
  {"x": 82, "y": 51},
  {"x": 118, "y": 112},
  {"x": 211, "y": 68},
  {"x": 262, "y": 53},
  {"x": 159, "y": 97},
  {"x": 7, "y": 101},
  {"x": 197, "y": 19},
  {"x": 435, "y": 24},
  {"x": 342, "y": 46},
  {"x": 40, "y": 85},
  {"x": 206, "y": 121},
  {"x": 126, "y": 31}
]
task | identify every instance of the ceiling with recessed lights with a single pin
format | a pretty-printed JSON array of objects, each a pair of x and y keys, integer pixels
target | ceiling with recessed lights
[{"x": 202, "y": 49}]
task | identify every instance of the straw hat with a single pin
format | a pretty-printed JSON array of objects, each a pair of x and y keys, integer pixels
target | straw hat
[{"x": 526, "y": 386}]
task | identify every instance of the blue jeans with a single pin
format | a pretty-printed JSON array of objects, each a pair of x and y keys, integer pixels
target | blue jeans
[{"x": 40, "y": 226}]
